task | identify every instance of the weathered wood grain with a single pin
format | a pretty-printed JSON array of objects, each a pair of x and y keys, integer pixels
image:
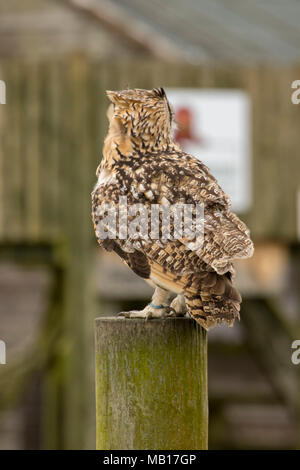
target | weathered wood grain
[{"x": 151, "y": 384}]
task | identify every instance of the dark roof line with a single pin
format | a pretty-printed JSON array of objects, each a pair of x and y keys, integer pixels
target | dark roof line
[{"x": 139, "y": 34}]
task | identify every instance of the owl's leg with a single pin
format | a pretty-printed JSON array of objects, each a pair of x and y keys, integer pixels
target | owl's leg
[
  {"x": 158, "y": 307},
  {"x": 178, "y": 306}
]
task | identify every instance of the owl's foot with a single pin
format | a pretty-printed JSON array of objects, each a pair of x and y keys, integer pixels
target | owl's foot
[
  {"x": 150, "y": 311},
  {"x": 178, "y": 307}
]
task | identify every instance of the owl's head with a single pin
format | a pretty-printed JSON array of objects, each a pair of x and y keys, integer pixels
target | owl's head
[{"x": 142, "y": 115}]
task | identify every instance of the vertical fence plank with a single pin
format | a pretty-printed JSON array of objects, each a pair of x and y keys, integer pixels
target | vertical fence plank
[
  {"x": 31, "y": 153},
  {"x": 78, "y": 232},
  {"x": 12, "y": 161}
]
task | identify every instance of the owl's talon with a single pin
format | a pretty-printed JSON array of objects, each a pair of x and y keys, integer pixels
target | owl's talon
[
  {"x": 173, "y": 314},
  {"x": 170, "y": 311},
  {"x": 178, "y": 306},
  {"x": 147, "y": 313},
  {"x": 132, "y": 314},
  {"x": 123, "y": 314}
]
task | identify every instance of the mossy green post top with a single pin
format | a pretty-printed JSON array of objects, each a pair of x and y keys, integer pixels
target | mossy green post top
[{"x": 151, "y": 384}]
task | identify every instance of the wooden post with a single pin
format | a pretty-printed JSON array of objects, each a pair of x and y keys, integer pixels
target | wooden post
[{"x": 151, "y": 384}]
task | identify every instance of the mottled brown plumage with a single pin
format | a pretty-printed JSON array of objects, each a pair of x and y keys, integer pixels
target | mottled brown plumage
[{"x": 142, "y": 162}]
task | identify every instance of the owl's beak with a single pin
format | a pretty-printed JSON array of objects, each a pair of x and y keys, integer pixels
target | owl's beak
[
  {"x": 110, "y": 112},
  {"x": 112, "y": 96}
]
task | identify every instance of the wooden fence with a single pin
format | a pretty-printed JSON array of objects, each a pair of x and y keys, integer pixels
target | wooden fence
[
  {"x": 53, "y": 124},
  {"x": 51, "y": 134}
]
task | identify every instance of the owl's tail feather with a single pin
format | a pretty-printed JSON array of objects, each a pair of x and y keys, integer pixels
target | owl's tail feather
[{"x": 216, "y": 302}]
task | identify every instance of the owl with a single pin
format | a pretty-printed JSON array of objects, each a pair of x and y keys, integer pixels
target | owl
[{"x": 143, "y": 176}]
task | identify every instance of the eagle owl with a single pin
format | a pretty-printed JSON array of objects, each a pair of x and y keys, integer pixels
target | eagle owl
[{"x": 144, "y": 166}]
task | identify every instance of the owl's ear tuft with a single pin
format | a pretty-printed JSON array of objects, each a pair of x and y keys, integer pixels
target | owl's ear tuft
[
  {"x": 113, "y": 96},
  {"x": 160, "y": 92}
]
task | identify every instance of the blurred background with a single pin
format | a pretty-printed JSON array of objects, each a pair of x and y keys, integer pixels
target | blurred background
[{"x": 57, "y": 58}]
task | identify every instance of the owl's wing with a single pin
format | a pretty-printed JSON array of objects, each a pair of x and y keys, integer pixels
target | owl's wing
[
  {"x": 185, "y": 180},
  {"x": 179, "y": 179}
]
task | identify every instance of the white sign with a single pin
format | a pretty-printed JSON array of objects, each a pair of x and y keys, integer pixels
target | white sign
[{"x": 214, "y": 126}]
